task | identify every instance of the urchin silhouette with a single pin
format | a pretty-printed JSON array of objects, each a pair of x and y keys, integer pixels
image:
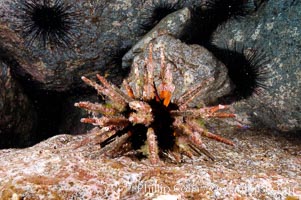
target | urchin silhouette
[{"x": 48, "y": 22}]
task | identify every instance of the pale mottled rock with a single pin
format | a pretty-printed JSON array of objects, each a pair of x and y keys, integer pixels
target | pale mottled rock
[{"x": 66, "y": 167}]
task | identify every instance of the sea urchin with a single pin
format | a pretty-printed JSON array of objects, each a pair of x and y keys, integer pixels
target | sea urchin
[
  {"x": 247, "y": 69},
  {"x": 49, "y": 22},
  {"x": 148, "y": 120}
]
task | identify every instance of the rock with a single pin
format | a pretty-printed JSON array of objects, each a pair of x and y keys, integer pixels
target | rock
[
  {"x": 275, "y": 28},
  {"x": 173, "y": 24},
  {"x": 189, "y": 64},
  {"x": 100, "y": 29},
  {"x": 66, "y": 167},
  {"x": 98, "y": 35},
  {"x": 17, "y": 115}
]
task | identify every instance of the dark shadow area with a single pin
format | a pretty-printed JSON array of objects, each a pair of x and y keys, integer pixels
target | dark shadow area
[
  {"x": 54, "y": 111},
  {"x": 49, "y": 109}
]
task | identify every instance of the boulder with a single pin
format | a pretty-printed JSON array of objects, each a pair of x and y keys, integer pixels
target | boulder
[
  {"x": 275, "y": 29},
  {"x": 189, "y": 65}
]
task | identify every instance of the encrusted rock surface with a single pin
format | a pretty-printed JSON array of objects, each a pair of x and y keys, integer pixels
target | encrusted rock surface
[
  {"x": 275, "y": 29},
  {"x": 63, "y": 167},
  {"x": 17, "y": 116}
]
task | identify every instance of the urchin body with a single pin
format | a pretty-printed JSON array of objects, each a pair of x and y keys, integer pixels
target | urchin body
[
  {"x": 147, "y": 119},
  {"x": 48, "y": 22}
]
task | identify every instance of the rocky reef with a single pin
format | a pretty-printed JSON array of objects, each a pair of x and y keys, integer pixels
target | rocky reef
[{"x": 40, "y": 81}]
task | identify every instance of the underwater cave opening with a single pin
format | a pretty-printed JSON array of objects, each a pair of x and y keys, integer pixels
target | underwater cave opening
[
  {"x": 49, "y": 106},
  {"x": 56, "y": 113}
]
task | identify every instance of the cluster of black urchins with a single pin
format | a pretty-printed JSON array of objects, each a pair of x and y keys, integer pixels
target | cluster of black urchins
[
  {"x": 47, "y": 22},
  {"x": 246, "y": 68}
]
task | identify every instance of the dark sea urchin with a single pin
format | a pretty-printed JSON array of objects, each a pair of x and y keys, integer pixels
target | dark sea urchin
[
  {"x": 247, "y": 69},
  {"x": 48, "y": 22},
  {"x": 147, "y": 120}
]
